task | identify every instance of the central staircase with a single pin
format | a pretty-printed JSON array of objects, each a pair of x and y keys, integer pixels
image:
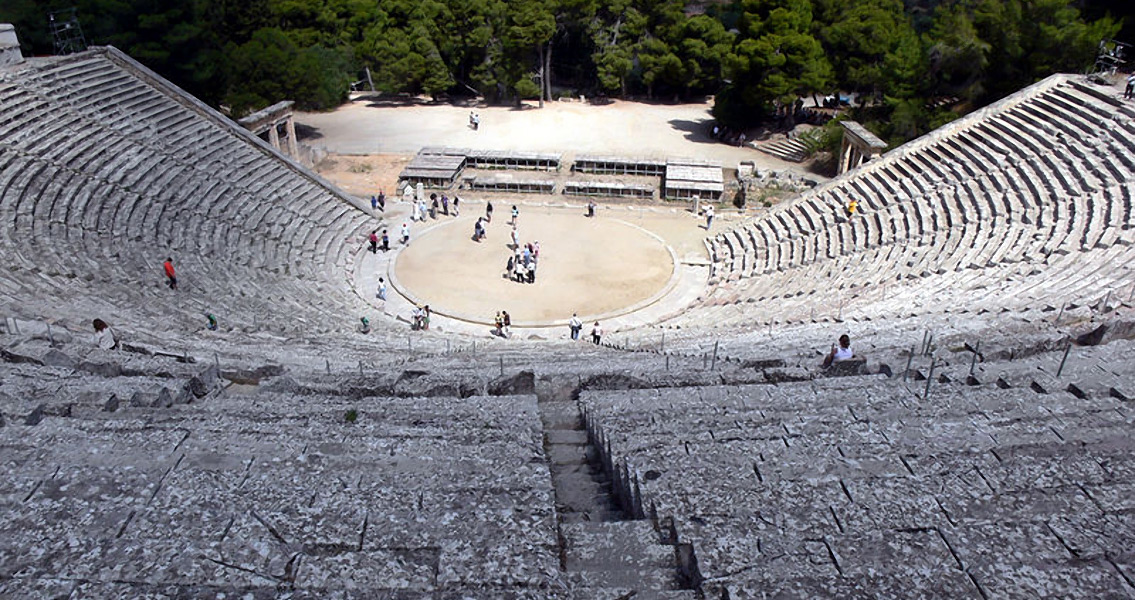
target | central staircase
[{"x": 605, "y": 555}]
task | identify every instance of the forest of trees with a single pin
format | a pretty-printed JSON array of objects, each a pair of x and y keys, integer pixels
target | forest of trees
[{"x": 914, "y": 65}]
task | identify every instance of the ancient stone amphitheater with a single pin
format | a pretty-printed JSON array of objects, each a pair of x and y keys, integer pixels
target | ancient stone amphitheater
[{"x": 982, "y": 450}]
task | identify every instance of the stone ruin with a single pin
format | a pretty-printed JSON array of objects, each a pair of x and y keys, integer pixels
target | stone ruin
[{"x": 981, "y": 449}]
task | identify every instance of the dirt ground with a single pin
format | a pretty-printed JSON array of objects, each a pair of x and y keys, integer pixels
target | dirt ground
[{"x": 589, "y": 266}]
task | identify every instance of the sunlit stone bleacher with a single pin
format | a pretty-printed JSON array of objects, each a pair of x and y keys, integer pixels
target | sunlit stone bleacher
[
  {"x": 862, "y": 487},
  {"x": 106, "y": 169},
  {"x": 238, "y": 492},
  {"x": 1024, "y": 205},
  {"x": 227, "y": 465}
]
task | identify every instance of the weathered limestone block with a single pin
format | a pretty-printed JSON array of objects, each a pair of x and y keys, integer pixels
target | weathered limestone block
[{"x": 55, "y": 358}]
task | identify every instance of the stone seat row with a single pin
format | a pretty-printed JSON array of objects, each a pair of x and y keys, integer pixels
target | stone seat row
[
  {"x": 943, "y": 164},
  {"x": 125, "y": 193},
  {"x": 257, "y": 499},
  {"x": 741, "y": 500},
  {"x": 1077, "y": 277}
]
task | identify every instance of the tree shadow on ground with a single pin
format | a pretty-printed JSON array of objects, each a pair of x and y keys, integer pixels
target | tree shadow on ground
[
  {"x": 700, "y": 132},
  {"x": 307, "y": 132}
]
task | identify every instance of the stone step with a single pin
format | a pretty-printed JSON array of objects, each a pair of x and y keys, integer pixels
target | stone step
[
  {"x": 624, "y": 593},
  {"x": 591, "y": 516},
  {"x": 614, "y": 546},
  {"x": 573, "y": 437},
  {"x": 642, "y": 581}
]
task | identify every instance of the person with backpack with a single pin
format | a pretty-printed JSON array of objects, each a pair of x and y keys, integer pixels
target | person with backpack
[{"x": 575, "y": 325}]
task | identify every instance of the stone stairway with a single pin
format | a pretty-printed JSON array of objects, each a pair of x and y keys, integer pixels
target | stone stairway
[
  {"x": 604, "y": 554},
  {"x": 786, "y": 149}
]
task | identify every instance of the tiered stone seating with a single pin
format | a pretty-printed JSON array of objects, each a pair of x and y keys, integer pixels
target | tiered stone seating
[
  {"x": 960, "y": 171},
  {"x": 105, "y": 170},
  {"x": 423, "y": 496},
  {"x": 1040, "y": 175},
  {"x": 856, "y": 487}
]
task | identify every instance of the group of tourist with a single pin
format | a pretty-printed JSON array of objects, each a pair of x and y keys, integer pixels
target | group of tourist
[
  {"x": 437, "y": 205},
  {"x": 503, "y": 324},
  {"x": 521, "y": 266},
  {"x": 380, "y": 242}
]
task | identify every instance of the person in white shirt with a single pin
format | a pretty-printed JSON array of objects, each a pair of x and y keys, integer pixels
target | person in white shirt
[
  {"x": 575, "y": 325},
  {"x": 841, "y": 353},
  {"x": 104, "y": 336}
]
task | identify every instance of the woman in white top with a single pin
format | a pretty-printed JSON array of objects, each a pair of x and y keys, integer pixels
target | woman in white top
[
  {"x": 104, "y": 337},
  {"x": 842, "y": 353}
]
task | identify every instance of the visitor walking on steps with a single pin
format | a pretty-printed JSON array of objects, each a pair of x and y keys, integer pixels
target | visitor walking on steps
[
  {"x": 385, "y": 241},
  {"x": 171, "y": 275},
  {"x": 596, "y": 333},
  {"x": 381, "y": 289},
  {"x": 374, "y": 242},
  {"x": 841, "y": 353},
  {"x": 575, "y": 325},
  {"x": 489, "y": 212},
  {"x": 852, "y": 207},
  {"x": 507, "y": 323},
  {"x": 104, "y": 337},
  {"x": 405, "y": 234}
]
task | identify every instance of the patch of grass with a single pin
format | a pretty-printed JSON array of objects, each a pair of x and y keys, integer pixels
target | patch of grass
[
  {"x": 360, "y": 168},
  {"x": 351, "y": 416}
]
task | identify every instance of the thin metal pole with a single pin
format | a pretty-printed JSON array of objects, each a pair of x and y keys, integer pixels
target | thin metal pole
[
  {"x": 922, "y": 348},
  {"x": 929, "y": 380},
  {"x": 502, "y": 365},
  {"x": 1061, "y": 313},
  {"x": 50, "y": 336},
  {"x": 1060, "y": 369},
  {"x": 909, "y": 359},
  {"x": 1106, "y": 301},
  {"x": 667, "y": 363},
  {"x": 216, "y": 360},
  {"x": 973, "y": 362},
  {"x": 663, "y": 340},
  {"x": 328, "y": 363},
  {"x": 713, "y": 365}
]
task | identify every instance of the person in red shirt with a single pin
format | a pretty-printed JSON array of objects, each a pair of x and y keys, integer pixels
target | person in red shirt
[{"x": 170, "y": 273}]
